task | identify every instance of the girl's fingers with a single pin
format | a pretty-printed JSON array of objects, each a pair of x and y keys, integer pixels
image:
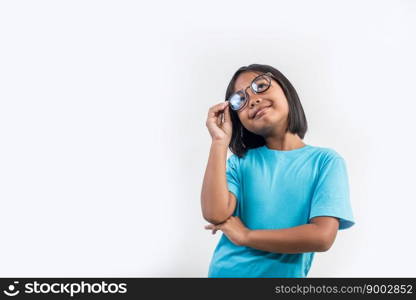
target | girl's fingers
[
  {"x": 212, "y": 227},
  {"x": 219, "y": 119},
  {"x": 214, "y": 110},
  {"x": 227, "y": 114}
]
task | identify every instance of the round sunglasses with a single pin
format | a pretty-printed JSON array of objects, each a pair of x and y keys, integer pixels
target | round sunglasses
[{"x": 260, "y": 84}]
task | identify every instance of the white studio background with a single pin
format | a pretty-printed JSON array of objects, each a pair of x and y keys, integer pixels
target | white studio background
[{"x": 103, "y": 143}]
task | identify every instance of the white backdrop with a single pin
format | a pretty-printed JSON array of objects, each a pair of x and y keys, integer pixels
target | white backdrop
[{"x": 103, "y": 143}]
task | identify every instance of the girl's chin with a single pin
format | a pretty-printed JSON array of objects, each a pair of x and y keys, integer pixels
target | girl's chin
[{"x": 263, "y": 127}]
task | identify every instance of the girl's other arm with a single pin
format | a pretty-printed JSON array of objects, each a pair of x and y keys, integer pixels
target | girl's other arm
[
  {"x": 318, "y": 236},
  {"x": 216, "y": 201}
]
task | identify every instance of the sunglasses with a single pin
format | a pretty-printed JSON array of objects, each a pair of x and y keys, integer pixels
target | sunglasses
[{"x": 260, "y": 84}]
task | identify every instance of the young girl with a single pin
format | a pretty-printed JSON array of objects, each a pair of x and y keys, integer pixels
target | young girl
[{"x": 276, "y": 199}]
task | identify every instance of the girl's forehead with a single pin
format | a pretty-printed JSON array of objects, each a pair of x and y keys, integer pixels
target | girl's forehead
[{"x": 244, "y": 79}]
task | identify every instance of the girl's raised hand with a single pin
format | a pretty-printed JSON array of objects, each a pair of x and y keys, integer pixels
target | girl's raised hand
[{"x": 219, "y": 123}]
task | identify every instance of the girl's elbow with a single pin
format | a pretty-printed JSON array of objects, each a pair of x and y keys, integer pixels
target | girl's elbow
[
  {"x": 324, "y": 244},
  {"x": 214, "y": 219}
]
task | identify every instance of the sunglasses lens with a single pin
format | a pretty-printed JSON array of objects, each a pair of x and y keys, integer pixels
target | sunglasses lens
[
  {"x": 261, "y": 84},
  {"x": 236, "y": 101}
]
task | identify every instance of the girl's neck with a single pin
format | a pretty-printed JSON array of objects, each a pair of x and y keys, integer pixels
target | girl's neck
[{"x": 289, "y": 141}]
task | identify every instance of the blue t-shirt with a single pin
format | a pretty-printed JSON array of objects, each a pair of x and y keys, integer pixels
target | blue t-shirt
[{"x": 278, "y": 189}]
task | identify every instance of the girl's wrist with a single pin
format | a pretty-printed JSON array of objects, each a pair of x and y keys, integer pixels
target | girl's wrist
[
  {"x": 220, "y": 143},
  {"x": 247, "y": 235}
]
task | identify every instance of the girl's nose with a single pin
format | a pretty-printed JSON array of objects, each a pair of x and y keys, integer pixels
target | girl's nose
[{"x": 257, "y": 101}]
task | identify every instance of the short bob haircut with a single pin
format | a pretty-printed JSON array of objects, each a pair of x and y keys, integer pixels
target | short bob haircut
[{"x": 241, "y": 139}]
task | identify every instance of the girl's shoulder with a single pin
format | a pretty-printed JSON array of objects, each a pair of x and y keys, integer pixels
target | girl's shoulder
[
  {"x": 327, "y": 155},
  {"x": 326, "y": 151}
]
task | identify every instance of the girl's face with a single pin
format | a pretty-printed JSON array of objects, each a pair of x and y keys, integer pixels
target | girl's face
[{"x": 272, "y": 103}]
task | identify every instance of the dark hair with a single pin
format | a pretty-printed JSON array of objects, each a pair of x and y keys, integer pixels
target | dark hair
[{"x": 241, "y": 138}]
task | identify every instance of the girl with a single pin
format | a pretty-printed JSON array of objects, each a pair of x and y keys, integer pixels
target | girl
[{"x": 276, "y": 199}]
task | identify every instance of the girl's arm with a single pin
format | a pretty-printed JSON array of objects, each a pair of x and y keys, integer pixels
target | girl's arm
[
  {"x": 216, "y": 202},
  {"x": 217, "y": 205},
  {"x": 315, "y": 237}
]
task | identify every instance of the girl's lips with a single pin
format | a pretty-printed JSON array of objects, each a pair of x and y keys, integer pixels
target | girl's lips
[{"x": 261, "y": 112}]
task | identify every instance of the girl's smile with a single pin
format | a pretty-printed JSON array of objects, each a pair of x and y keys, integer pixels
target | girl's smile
[{"x": 261, "y": 112}]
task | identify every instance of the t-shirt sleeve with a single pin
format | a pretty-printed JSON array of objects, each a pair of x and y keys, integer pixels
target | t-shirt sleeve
[
  {"x": 233, "y": 176},
  {"x": 331, "y": 194}
]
